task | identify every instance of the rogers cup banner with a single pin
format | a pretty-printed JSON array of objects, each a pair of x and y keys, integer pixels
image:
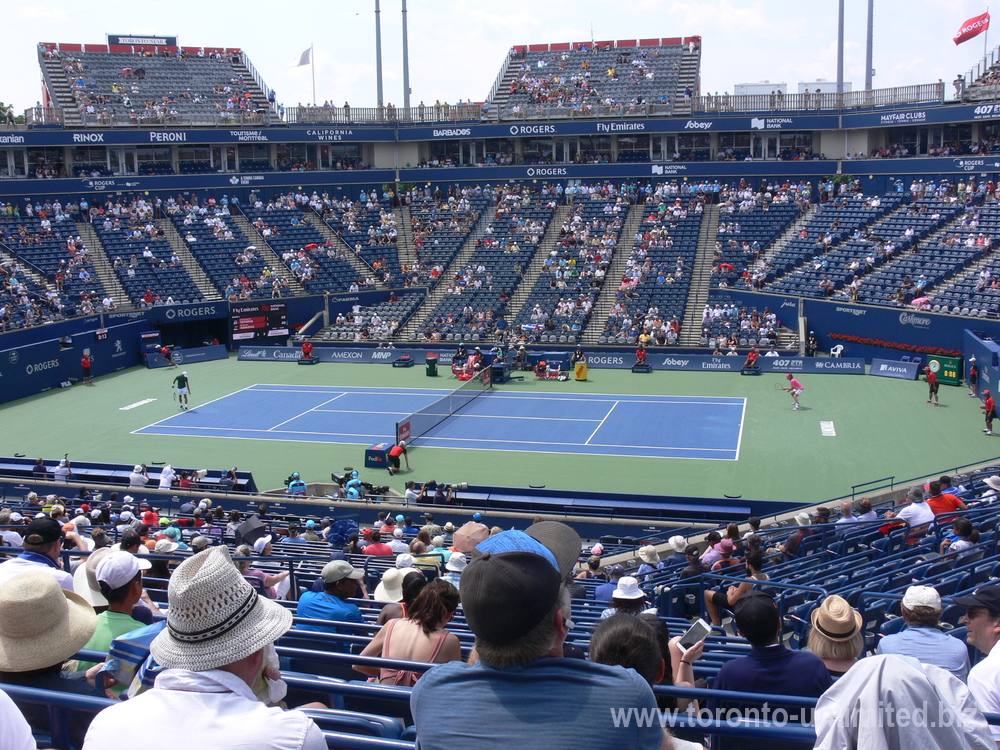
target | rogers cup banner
[{"x": 973, "y": 28}]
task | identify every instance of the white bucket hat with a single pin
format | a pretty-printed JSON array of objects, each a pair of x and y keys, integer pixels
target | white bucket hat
[
  {"x": 42, "y": 624},
  {"x": 678, "y": 543},
  {"x": 648, "y": 554},
  {"x": 457, "y": 562},
  {"x": 628, "y": 588},
  {"x": 215, "y": 616}
]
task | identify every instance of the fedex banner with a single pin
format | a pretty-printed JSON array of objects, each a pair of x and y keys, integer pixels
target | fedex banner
[{"x": 893, "y": 368}]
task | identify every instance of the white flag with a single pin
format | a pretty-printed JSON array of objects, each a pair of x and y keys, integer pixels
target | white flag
[{"x": 304, "y": 59}]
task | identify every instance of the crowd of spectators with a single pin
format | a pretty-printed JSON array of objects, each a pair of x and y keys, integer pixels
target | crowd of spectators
[{"x": 517, "y": 593}]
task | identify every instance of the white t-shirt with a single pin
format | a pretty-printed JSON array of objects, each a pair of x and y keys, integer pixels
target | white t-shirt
[{"x": 16, "y": 733}]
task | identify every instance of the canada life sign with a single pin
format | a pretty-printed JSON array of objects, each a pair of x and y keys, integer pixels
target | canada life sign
[{"x": 972, "y": 28}]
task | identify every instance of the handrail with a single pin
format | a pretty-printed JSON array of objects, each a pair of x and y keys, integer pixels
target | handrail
[{"x": 891, "y": 480}]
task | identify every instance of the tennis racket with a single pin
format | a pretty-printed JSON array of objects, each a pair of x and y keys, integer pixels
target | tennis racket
[
  {"x": 779, "y": 387},
  {"x": 174, "y": 393}
]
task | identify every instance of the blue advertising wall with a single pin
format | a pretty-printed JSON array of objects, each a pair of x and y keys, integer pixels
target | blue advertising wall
[
  {"x": 891, "y": 324},
  {"x": 987, "y": 354},
  {"x": 34, "y": 368}
]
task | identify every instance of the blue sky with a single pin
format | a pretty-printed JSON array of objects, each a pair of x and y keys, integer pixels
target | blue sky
[{"x": 456, "y": 47}]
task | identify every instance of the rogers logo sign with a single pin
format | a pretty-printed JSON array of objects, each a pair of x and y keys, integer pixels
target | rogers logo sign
[
  {"x": 532, "y": 129},
  {"x": 42, "y": 366},
  {"x": 547, "y": 172}
]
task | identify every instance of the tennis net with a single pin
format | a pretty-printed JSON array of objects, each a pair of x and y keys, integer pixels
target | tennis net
[{"x": 424, "y": 420}]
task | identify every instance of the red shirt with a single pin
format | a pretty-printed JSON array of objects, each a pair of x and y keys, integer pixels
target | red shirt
[
  {"x": 307, "y": 348},
  {"x": 382, "y": 550},
  {"x": 396, "y": 451},
  {"x": 944, "y": 503},
  {"x": 931, "y": 378},
  {"x": 85, "y": 362},
  {"x": 640, "y": 354},
  {"x": 990, "y": 404}
]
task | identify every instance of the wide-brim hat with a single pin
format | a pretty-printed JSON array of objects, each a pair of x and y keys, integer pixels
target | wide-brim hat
[
  {"x": 42, "y": 624},
  {"x": 991, "y": 482},
  {"x": 836, "y": 619},
  {"x": 390, "y": 588},
  {"x": 803, "y": 519},
  {"x": 215, "y": 616},
  {"x": 85, "y": 578},
  {"x": 648, "y": 554}
]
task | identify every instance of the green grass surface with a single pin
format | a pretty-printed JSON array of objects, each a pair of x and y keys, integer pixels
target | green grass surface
[{"x": 883, "y": 428}]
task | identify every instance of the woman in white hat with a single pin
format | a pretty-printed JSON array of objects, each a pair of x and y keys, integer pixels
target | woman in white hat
[
  {"x": 627, "y": 598},
  {"x": 420, "y": 636},
  {"x": 650, "y": 561}
]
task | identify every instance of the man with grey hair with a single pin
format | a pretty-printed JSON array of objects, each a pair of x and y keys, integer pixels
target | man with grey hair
[
  {"x": 517, "y": 684},
  {"x": 923, "y": 638},
  {"x": 915, "y": 512}
]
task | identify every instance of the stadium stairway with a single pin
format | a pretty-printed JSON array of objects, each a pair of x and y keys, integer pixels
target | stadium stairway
[
  {"x": 508, "y": 74},
  {"x": 549, "y": 241},
  {"x": 701, "y": 278},
  {"x": 268, "y": 255},
  {"x": 406, "y": 250},
  {"x": 363, "y": 269},
  {"x": 190, "y": 264},
  {"x": 411, "y": 331},
  {"x": 54, "y": 75},
  {"x": 687, "y": 77},
  {"x": 607, "y": 298},
  {"x": 102, "y": 264}
]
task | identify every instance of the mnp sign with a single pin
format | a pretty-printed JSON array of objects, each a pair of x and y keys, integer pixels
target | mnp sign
[{"x": 894, "y": 368}]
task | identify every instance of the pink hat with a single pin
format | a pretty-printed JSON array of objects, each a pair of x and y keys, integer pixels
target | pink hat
[{"x": 725, "y": 547}]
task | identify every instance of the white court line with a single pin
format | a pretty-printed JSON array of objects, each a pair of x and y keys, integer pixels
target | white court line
[
  {"x": 739, "y": 435},
  {"x": 826, "y": 429},
  {"x": 315, "y": 408},
  {"x": 167, "y": 419},
  {"x": 601, "y": 423},
  {"x": 499, "y": 448}
]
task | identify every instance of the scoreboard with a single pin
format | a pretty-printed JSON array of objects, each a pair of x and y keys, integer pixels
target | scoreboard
[{"x": 259, "y": 320}]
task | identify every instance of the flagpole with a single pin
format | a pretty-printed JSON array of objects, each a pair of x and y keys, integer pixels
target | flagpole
[
  {"x": 986, "y": 36},
  {"x": 312, "y": 64}
]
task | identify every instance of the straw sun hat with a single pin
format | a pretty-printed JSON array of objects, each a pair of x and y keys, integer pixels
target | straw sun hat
[
  {"x": 215, "y": 616},
  {"x": 42, "y": 624}
]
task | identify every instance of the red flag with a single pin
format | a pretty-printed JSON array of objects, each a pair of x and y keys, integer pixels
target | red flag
[{"x": 973, "y": 27}]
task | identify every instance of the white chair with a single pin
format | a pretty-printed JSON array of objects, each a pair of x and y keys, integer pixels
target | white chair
[{"x": 837, "y": 350}]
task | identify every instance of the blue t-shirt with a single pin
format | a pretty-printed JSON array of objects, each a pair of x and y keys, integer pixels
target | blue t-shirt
[
  {"x": 929, "y": 646},
  {"x": 558, "y": 704},
  {"x": 323, "y": 606}
]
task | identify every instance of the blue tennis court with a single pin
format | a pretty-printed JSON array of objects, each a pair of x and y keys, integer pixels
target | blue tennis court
[{"x": 706, "y": 427}]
